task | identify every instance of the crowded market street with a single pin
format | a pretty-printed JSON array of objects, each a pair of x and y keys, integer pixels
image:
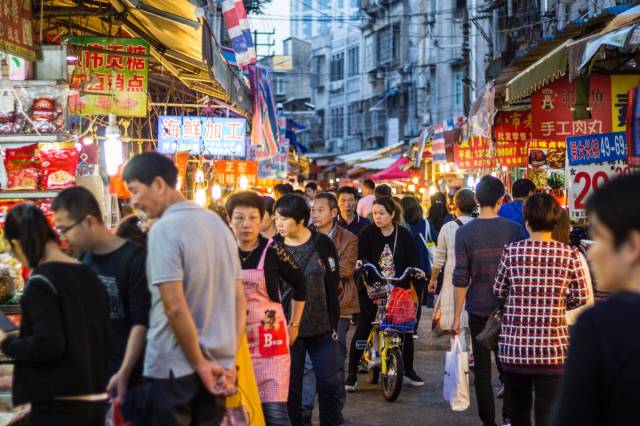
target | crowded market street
[{"x": 319, "y": 212}]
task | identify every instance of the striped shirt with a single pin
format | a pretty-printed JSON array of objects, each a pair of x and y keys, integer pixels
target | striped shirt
[
  {"x": 479, "y": 246},
  {"x": 540, "y": 280}
]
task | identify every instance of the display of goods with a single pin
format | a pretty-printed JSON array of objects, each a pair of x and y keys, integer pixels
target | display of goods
[
  {"x": 58, "y": 163},
  {"x": 538, "y": 176},
  {"x": 22, "y": 168},
  {"x": 556, "y": 180},
  {"x": 46, "y": 115},
  {"x": 10, "y": 121},
  {"x": 39, "y": 109}
]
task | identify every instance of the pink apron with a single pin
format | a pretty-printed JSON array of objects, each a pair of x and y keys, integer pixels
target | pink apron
[{"x": 268, "y": 336}]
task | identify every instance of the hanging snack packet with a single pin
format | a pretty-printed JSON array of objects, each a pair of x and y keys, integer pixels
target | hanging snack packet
[
  {"x": 58, "y": 164},
  {"x": 22, "y": 168}
]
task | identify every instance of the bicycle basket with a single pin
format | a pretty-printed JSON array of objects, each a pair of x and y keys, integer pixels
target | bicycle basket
[{"x": 401, "y": 311}]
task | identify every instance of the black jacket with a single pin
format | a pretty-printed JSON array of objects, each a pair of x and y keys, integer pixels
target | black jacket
[
  {"x": 327, "y": 253},
  {"x": 63, "y": 343}
]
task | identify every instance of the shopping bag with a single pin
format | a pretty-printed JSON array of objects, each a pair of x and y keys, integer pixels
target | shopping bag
[
  {"x": 114, "y": 415},
  {"x": 400, "y": 308},
  {"x": 244, "y": 407},
  {"x": 456, "y": 376}
]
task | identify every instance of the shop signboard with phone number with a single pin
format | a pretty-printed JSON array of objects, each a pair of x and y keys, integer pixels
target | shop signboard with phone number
[{"x": 584, "y": 179}]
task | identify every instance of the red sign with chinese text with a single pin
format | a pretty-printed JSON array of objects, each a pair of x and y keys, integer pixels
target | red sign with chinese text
[
  {"x": 475, "y": 154},
  {"x": 229, "y": 172},
  {"x": 552, "y": 109},
  {"x": 16, "y": 29}
]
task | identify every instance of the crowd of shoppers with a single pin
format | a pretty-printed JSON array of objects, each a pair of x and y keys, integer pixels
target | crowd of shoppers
[{"x": 134, "y": 318}]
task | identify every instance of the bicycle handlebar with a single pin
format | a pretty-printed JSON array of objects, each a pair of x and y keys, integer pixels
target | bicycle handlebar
[{"x": 374, "y": 269}]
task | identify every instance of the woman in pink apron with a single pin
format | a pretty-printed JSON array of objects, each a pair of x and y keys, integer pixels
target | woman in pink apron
[{"x": 264, "y": 262}]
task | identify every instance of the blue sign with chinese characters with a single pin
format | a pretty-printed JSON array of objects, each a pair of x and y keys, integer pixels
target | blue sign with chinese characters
[
  {"x": 216, "y": 136},
  {"x": 592, "y": 149}
]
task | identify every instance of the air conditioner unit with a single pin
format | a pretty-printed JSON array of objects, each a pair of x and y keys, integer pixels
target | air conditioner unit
[{"x": 336, "y": 86}]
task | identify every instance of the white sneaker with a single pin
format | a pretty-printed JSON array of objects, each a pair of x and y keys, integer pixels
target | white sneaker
[{"x": 413, "y": 379}]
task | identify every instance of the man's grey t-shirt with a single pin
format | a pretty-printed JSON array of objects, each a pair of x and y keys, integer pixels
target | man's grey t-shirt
[{"x": 194, "y": 246}]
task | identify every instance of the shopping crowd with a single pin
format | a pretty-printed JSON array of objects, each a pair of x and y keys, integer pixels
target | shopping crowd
[{"x": 150, "y": 319}]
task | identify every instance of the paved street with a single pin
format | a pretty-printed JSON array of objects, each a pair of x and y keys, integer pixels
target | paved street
[{"x": 415, "y": 406}]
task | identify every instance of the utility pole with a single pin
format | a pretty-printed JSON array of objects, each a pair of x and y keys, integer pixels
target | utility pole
[{"x": 466, "y": 78}]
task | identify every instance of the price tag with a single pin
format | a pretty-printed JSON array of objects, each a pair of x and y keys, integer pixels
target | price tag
[{"x": 584, "y": 179}]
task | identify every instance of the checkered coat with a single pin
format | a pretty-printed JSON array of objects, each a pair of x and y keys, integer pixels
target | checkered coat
[{"x": 540, "y": 280}]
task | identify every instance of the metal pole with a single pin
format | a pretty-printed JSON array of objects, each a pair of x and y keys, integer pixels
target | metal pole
[{"x": 466, "y": 78}]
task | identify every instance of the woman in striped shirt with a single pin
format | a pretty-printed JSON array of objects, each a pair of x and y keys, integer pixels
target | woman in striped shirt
[{"x": 540, "y": 279}]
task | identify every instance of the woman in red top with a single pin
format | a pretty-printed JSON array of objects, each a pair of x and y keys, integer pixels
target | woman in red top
[{"x": 540, "y": 279}]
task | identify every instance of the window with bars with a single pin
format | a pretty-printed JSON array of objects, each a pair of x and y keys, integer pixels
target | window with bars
[
  {"x": 337, "y": 124},
  {"x": 354, "y": 113},
  {"x": 370, "y": 52},
  {"x": 337, "y": 66},
  {"x": 388, "y": 44},
  {"x": 354, "y": 61}
]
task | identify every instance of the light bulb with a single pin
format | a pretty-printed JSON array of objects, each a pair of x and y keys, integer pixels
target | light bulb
[
  {"x": 244, "y": 183},
  {"x": 415, "y": 180},
  {"x": 423, "y": 190},
  {"x": 87, "y": 140},
  {"x": 269, "y": 190},
  {"x": 412, "y": 188},
  {"x": 432, "y": 190},
  {"x": 216, "y": 192},
  {"x": 201, "y": 197},
  {"x": 113, "y": 146}
]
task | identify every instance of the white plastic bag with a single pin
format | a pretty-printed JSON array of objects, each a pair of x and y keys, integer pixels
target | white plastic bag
[{"x": 456, "y": 376}]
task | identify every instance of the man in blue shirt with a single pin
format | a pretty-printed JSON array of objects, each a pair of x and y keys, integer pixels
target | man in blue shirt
[{"x": 520, "y": 190}]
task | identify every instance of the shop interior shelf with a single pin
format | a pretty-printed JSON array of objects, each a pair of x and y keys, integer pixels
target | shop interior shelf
[
  {"x": 32, "y": 138},
  {"x": 11, "y": 195}
]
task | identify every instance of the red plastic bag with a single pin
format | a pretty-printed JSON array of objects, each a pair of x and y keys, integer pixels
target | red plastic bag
[
  {"x": 114, "y": 416},
  {"x": 400, "y": 308}
]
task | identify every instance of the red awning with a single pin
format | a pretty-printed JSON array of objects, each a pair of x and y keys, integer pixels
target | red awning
[{"x": 394, "y": 171}]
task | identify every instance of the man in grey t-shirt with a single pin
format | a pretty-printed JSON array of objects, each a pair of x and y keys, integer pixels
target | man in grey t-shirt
[{"x": 197, "y": 306}]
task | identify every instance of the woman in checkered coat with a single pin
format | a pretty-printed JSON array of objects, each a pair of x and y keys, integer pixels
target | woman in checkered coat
[{"x": 540, "y": 279}]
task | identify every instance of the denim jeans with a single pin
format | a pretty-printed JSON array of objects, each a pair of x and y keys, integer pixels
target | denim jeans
[
  {"x": 309, "y": 384},
  {"x": 276, "y": 414},
  {"x": 322, "y": 351}
]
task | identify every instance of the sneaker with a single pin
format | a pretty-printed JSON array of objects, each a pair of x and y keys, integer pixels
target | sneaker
[
  {"x": 500, "y": 394},
  {"x": 362, "y": 369},
  {"x": 415, "y": 336},
  {"x": 413, "y": 379},
  {"x": 341, "y": 419},
  {"x": 506, "y": 421},
  {"x": 351, "y": 388},
  {"x": 307, "y": 415}
]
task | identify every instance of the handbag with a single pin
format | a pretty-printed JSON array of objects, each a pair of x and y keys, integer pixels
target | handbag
[
  {"x": 488, "y": 337},
  {"x": 427, "y": 240}
]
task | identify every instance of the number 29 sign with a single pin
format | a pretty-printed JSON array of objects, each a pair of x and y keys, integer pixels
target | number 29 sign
[{"x": 584, "y": 179}]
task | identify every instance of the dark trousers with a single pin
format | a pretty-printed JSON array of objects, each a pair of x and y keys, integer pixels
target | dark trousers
[
  {"x": 68, "y": 413},
  {"x": 181, "y": 401},
  {"x": 322, "y": 351},
  {"x": 368, "y": 311},
  {"x": 519, "y": 387},
  {"x": 482, "y": 374},
  {"x": 276, "y": 414}
]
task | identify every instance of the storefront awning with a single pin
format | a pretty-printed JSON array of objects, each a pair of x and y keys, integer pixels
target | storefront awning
[
  {"x": 179, "y": 39},
  {"x": 394, "y": 172},
  {"x": 548, "y": 68}
]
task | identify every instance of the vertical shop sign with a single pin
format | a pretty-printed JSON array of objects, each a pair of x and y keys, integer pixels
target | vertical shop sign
[
  {"x": 620, "y": 86},
  {"x": 16, "y": 28},
  {"x": 276, "y": 167},
  {"x": 552, "y": 108},
  {"x": 113, "y": 74},
  {"x": 438, "y": 143},
  {"x": 229, "y": 172}
]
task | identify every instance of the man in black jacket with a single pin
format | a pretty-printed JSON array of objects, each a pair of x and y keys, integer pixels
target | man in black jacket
[
  {"x": 600, "y": 383},
  {"x": 317, "y": 331},
  {"x": 120, "y": 265}
]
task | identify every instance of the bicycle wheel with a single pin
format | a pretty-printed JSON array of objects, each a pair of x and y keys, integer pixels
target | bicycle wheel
[
  {"x": 392, "y": 378},
  {"x": 374, "y": 375}
]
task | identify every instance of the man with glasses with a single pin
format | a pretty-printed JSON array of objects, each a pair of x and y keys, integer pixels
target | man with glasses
[{"x": 120, "y": 265}]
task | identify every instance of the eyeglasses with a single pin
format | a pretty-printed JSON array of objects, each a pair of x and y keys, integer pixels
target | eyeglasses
[{"x": 62, "y": 230}]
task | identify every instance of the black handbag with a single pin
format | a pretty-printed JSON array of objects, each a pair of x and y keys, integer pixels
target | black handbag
[{"x": 488, "y": 337}]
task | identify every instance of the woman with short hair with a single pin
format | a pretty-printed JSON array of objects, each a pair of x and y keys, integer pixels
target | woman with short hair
[
  {"x": 540, "y": 279},
  {"x": 60, "y": 351}
]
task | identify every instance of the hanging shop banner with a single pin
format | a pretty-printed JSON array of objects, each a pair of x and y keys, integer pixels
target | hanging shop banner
[
  {"x": 438, "y": 144},
  {"x": 546, "y": 162},
  {"x": 16, "y": 29},
  {"x": 231, "y": 172},
  {"x": 552, "y": 107},
  {"x": 513, "y": 126},
  {"x": 633, "y": 127},
  {"x": 584, "y": 179},
  {"x": 216, "y": 136},
  {"x": 276, "y": 167},
  {"x": 475, "y": 154},
  {"x": 113, "y": 75},
  {"x": 596, "y": 148},
  {"x": 620, "y": 86}
]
